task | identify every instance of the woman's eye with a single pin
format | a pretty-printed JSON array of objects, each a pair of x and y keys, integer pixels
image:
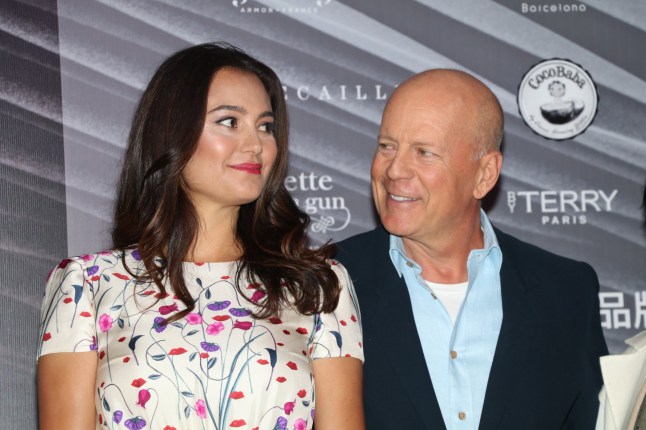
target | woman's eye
[
  {"x": 267, "y": 127},
  {"x": 228, "y": 122}
]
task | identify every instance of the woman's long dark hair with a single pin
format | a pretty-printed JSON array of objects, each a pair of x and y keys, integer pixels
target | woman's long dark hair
[{"x": 154, "y": 211}]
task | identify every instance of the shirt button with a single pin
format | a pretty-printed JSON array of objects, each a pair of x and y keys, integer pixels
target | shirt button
[
  {"x": 454, "y": 355},
  {"x": 409, "y": 264},
  {"x": 462, "y": 416}
]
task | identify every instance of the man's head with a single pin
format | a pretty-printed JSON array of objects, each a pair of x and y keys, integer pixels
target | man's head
[{"x": 438, "y": 155}]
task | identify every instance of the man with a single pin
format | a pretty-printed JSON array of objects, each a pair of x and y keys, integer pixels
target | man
[{"x": 465, "y": 327}]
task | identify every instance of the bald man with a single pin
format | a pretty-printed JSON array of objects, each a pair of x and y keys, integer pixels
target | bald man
[{"x": 465, "y": 327}]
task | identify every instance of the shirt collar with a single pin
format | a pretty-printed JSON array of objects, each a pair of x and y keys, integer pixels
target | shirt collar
[{"x": 399, "y": 258}]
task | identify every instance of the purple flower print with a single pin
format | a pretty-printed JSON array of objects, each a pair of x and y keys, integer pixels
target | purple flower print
[
  {"x": 218, "y": 306},
  {"x": 117, "y": 417},
  {"x": 136, "y": 255},
  {"x": 208, "y": 346},
  {"x": 214, "y": 328},
  {"x": 281, "y": 424},
  {"x": 144, "y": 396},
  {"x": 159, "y": 325},
  {"x": 93, "y": 345},
  {"x": 136, "y": 423},
  {"x": 105, "y": 322},
  {"x": 92, "y": 270},
  {"x": 193, "y": 318},
  {"x": 200, "y": 408},
  {"x": 240, "y": 312}
]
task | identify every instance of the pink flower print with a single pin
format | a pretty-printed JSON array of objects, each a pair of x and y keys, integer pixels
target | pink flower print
[
  {"x": 243, "y": 325},
  {"x": 300, "y": 424},
  {"x": 87, "y": 257},
  {"x": 165, "y": 310},
  {"x": 105, "y": 322},
  {"x": 289, "y": 407},
  {"x": 214, "y": 328},
  {"x": 200, "y": 408},
  {"x": 144, "y": 396},
  {"x": 193, "y": 318}
]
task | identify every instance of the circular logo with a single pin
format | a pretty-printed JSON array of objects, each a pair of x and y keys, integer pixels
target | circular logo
[{"x": 557, "y": 99}]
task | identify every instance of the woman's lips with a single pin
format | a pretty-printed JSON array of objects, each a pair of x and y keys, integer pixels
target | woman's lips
[{"x": 253, "y": 168}]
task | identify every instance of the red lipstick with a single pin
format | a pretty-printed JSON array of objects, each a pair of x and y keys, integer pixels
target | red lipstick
[{"x": 253, "y": 168}]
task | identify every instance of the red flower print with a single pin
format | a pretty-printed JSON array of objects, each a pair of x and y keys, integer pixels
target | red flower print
[
  {"x": 302, "y": 330},
  {"x": 63, "y": 264},
  {"x": 138, "y": 382},
  {"x": 121, "y": 339},
  {"x": 120, "y": 276},
  {"x": 257, "y": 296},
  {"x": 281, "y": 379},
  {"x": 204, "y": 354},
  {"x": 47, "y": 336},
  {"x": 224, "y": 277},
  {"x": 161, "y": 296},
  {"x": 101, "y": 355},
  {"x": 347, "y": 355},
  {"x": 275, "y": 320},
  {"x": 147, "y": 293},
  {"x": 286, "y": 332},
  {"x": 253, "y": 286},
  {"x": 85, "y": 314},
  {"x": 289, "y": 407},
  {"x": 280, "y": 344},
  {"x": 95, "y": 278},
  {"x": 199, "y": 264},
  {"x": 343, "y": 323},
  {"x": 169, "y": 428},
  {"x": 292, "y": 365},
  {"x": 126, "y": 359},
  {"x": 243, "y": 325},
  {"x": 177, "y": 351},
  {"x": 68, "y": 300},
  {"x": 221, "y": 317},
  {"x": 301, "y": 394},
  {"x": 353, "y": 318},
  {"x": 238, "y": 423},
  {"x": 262, "y": 361},
  {"x": 236, "y": 395},
  {"x": 165, "y": 310}
]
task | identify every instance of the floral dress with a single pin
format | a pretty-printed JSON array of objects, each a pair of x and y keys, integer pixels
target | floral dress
[{"x": 216, "y": 368}]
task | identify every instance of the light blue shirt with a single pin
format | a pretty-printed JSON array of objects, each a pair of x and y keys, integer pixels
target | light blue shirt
[{"x": 458, "y": 356}]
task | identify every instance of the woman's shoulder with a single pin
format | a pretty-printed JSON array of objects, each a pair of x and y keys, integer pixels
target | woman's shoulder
[{"x": 93, "y": 262}]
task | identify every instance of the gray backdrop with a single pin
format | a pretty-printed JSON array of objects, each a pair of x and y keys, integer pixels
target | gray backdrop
[{"x": 72, "y": 70}]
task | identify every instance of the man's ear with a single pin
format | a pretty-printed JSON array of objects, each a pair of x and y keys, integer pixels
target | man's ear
[{"x": 489, "y": 167}]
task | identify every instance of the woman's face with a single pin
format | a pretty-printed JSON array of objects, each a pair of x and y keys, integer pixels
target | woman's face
[{"x": 237, "y": 148}]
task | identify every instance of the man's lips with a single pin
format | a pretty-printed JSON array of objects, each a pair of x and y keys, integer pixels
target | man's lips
[
  {"x": 253, "y": 168},
  {"x": 401, "y": 198}
]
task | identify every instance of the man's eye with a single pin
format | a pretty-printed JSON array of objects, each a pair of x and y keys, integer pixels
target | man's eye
[
  {"x": 424, "y": 152},
  {"x": 384, "y": 146}
]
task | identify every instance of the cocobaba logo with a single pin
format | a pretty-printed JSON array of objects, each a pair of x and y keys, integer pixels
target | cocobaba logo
[{"x": 557, "y": 99}]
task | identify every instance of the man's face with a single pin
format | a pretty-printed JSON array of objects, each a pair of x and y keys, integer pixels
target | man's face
[{"x": 424, "y": 172}]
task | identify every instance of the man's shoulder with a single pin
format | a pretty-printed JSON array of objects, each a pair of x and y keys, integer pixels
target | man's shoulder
[
  {"x": 511, "y": 245},
  {"x": 364, "y": 247}
]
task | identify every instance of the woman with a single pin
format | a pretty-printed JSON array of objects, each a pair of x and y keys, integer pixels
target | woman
[{"x": 210, "y": 312}]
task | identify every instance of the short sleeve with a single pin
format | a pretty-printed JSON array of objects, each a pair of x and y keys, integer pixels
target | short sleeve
[
  {"x": 67, "y": 313},
  {"x": 339, "y": 333}
]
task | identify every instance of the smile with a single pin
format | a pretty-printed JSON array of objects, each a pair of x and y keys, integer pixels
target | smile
[
  {"x": 253, "y": 168},
  {"x": 400, "y": 198}
]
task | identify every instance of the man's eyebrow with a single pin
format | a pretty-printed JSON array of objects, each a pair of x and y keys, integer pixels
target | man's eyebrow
[{"x": 386, "y": 137}]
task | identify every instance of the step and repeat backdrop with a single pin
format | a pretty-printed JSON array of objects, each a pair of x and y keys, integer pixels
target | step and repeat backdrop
[{"x": 570, "y": 75}]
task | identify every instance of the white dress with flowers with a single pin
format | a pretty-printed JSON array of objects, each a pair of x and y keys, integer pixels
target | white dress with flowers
[{"x": 217, "y": 368}]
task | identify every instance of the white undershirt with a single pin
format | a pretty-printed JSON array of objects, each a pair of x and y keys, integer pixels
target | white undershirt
[{"x": 450, "y": 295}]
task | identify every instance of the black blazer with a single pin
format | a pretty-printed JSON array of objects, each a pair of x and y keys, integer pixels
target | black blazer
[{"x": 545, "y": 373}]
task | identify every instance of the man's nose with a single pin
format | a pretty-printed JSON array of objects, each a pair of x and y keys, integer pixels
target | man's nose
[{"x": 400, "y": 166}]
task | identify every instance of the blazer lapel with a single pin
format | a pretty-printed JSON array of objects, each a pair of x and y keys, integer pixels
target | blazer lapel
[
  {"x": 400, "y": 342},
  {"x": 514, "y": 342}
]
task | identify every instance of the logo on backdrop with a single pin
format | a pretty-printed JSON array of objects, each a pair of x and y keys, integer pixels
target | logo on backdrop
[
  {"x": 557, "y": 99},
  {"x": 359, "y": 92},
  {"x": 328, "y": 213},
  {"x": 301, "y": 6},
  {"x": 563, "y": 207},
  {"x": 552, "y": 8}
]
